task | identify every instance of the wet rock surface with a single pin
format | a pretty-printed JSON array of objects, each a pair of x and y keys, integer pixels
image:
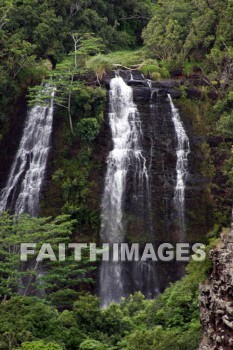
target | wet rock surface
[
  {"x": 159, "y": 148},
  {"x": 12, "y": 136},
  {"x": 167, "y": 83},
  {"x": 191, "y": 86},
  {"x": 216, "y": 298}
]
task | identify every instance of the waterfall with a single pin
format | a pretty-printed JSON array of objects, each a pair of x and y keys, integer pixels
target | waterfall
[
  {"x": 182, "y": 152},
  {"x": 126, "y": 131},
  {"x": 22, "y": 191}
]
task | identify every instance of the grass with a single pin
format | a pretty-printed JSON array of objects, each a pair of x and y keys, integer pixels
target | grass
[{"x": 104, "y": 63}]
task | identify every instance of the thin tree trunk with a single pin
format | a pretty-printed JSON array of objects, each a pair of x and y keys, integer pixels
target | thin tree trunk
[
  {"x": 69, "y": 112},
  {"x": 30, "y": 281}
]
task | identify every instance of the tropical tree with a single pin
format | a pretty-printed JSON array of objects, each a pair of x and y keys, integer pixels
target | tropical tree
[
  {"x": 40, "y": 345},
  {"x": 166, "y": 32},
  {"x": 66, "y": 77},
  {"x": 61, "y": 278}
]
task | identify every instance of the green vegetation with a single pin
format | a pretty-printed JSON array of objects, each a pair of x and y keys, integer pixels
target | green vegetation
[
  {"x": 170, "y": 320},
  {"x": 40, "y": 345},
  {"x": 104, "y": 63},
  {"x": 33, "y": 32},
  {"x": 62, "y": 279},
  {"x": 190, "y": 29}
]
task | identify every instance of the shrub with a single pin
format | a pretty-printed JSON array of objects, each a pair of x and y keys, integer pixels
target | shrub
[
  {"x": 91, "y": 344},
  {"x": 88, "y": 129},
  {"x": 225, "y": 124},
  {"x": 40, "y": 345}
]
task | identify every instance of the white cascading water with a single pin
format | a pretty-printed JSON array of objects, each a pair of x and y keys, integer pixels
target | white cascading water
[
  {"x": 126, "y": 134},
  {"x": 182, "y": 152},
  {"x": 22, "y": 191}
]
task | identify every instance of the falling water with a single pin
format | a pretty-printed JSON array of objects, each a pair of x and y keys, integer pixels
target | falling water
[
  {"x": 149, "y": 82},
  {"x": 182, "y": 152},
  {"x": 126, "y": 135},
  {"x": 21, "y": 194}
]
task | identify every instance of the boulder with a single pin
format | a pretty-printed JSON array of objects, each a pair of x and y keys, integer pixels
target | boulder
[
  {"x": 177, "y": 73},
  {"x": 168, "y": 83},
  {"x": 137, "y": 83},
  {"x": 175, "y": 93},
  {"x": 194, "y": 94}
]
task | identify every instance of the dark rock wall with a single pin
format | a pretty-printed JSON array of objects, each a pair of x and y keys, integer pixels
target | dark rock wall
[
  {"x": 216, "y": 298},
  {"x": 158, "y": 146},
  {"x": 12, "y": 133},
  {"x": 159, "y": 149}
]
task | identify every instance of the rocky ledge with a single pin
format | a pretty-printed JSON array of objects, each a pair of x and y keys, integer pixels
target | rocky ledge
[
  {"x": 190, "y": 87},
  {"x": 216, "y": 298}
]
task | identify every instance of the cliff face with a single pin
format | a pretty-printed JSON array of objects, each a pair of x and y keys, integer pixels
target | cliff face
[
  {"x": 159, "y": 148},
  {"x": 12, "y": 133},
  {"x": 158, "y": 143},
  {"x": 216, "y": 299}
]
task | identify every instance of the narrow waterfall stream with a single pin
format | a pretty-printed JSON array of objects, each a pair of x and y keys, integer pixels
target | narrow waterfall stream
[
  {"x": 182, "y": 152},
  {"x": 126, "y": 131},
  {"x": 22, "y": 191}
]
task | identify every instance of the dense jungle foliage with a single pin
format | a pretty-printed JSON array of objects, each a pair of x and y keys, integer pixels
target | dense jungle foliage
[{"x": 73, "y": 44}]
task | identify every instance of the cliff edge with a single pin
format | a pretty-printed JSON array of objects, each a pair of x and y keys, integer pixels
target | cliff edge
[{"x": 216, "y": 298}]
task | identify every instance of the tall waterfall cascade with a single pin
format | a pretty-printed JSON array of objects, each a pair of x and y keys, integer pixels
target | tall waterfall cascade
[
  {"x": 22, "y": 191},
  {"x": 182, "y": 152},
  {"x": 125, "y": 125}
]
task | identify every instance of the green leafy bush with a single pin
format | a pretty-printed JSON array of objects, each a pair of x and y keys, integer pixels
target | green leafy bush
[
  {"x": 225, "y": 124},
  {"x": 88, "y": 129},
  {"x": 40, "y": 345},
  {"x": 91, "y": 344}
]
